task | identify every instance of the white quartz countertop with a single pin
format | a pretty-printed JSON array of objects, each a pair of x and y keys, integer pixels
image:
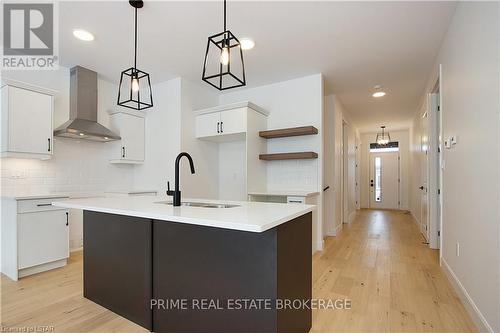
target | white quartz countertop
[
  {"x": 285, "y": 193},
  {"x": 248, "y": 216}
]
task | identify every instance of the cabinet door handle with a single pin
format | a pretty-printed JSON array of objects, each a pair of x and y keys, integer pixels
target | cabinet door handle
[
  {"x": 43, "y": 205},
  {"x": 49, "y": 144},
  {"x": 218, "y": 124},
  {"x": 67, "y": 218},
  {"x": 123, "y": 152},
  {"x": 221, "y": 129}
]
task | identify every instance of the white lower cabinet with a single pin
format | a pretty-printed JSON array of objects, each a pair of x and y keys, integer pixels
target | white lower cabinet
[
  {"x": 35, "y": 236},
  {"x": 42, "y": 237}
]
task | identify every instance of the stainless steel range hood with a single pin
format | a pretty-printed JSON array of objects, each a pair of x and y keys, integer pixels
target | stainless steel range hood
[{"x": 82, "y": 123}]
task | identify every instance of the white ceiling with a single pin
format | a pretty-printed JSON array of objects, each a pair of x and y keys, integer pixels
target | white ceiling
[{"x": 354, "y": 44}]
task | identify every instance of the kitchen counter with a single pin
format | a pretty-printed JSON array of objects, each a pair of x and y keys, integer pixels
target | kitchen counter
[
  {"x": 249, "y": 216},
  {"x": 139, "y": 251},
  {"x": 285, "y": 193}
]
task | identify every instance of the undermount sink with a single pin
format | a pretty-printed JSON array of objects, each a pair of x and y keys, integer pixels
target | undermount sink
[{"x": 200, "y": 204}]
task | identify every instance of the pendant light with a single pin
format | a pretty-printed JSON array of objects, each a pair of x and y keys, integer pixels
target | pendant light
[
  {"x": 382, "y": 137},
  {"x": 135, "y": 86},
  {"x": 224, "y": 67}
]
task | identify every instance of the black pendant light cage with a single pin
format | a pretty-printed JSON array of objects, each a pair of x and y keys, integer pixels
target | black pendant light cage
[
  {"x": 383, "y": 138},
  {"x": 135, "y": 85},
  {"x": 224, "y": 67}
]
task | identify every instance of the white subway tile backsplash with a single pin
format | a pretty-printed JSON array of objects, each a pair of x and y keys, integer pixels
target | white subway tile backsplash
[{"x": 76, "y": 166}]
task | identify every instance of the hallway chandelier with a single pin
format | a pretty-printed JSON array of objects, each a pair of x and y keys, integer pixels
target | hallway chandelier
[
  {"x": 134, "y": 91},
  {"x": 383, "y": 138},
  {"x": 224, "y": 67}
]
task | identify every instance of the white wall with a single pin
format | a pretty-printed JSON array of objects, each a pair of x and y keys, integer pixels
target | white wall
[
  {"x": 205, "y": 182},
  {"x": 232, "y": 167},
  {"x": 163, "y": 138},
  {"x": 470, "y": 104},
  {"x": 403, "y": 137}
]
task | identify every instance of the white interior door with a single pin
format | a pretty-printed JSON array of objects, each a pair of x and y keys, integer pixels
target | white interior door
[
  {"x": 424, "y": 177},
  {"x": 384, "y": 180}
]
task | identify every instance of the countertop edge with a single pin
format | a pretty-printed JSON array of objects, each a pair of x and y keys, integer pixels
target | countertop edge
[{"x": 188, "y": 220}]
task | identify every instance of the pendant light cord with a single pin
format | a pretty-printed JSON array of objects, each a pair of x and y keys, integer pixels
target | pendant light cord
[
  {"x": 224, "y": 15},
  {"x": 135, "y": 40}
]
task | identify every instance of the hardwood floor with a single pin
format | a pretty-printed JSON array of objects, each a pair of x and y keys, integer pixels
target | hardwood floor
[
  {"x": 394, "y": 281},
  {"x": 379, "y": 263}
]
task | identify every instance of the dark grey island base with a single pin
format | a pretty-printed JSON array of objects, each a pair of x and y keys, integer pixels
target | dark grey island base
[{"x": 129, "y": 261}]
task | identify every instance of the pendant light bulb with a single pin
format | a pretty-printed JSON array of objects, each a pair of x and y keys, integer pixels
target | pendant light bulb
[
  {"x": 224, "y": 56},
  {"x": 135, "y": 84}
]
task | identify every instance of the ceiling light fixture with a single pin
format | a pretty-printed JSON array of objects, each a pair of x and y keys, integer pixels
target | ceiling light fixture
[
  {"x": 83, "y": 35},
  {"x": 133, "y": 81},
  {"x": 224, "y": 54},
  {"x": 247, "y": 44},
  {"x": 378, "y": 91},
  {"x": 383, "y": 138}
]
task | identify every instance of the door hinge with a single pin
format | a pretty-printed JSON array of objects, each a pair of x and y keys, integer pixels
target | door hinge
[
  {"x": 399, "y": 180},
  {"x": 439, "y": 107},
  {"x": 439, "y": 191},
  {"x": 439, "y": 233}
]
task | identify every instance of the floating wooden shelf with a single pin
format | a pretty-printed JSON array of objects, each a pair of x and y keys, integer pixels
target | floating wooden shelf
[
  {"x": 292, "y": 131},
  {"x": 288, "y": 156}
]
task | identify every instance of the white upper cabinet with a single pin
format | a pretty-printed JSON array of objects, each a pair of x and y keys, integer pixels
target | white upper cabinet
[
  {"x": 208, "y": 125},
  {"x": 233, "y": 121},
  {"x": 26, "y": 129},
  {"x": 225, "y": 122},
  {"x": 131, "y": 127}
]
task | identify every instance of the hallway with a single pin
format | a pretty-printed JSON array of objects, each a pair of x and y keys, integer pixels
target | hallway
[{"x": 393, "y": 280}]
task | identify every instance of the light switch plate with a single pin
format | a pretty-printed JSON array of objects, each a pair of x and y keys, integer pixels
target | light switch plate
[{"x": 447, "y": 143}]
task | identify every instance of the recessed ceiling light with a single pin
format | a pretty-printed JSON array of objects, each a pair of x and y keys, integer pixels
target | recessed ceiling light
[
  {"x": 378, "y": 91},
  {"x": 378, "y": 94},
  {"x": 247, "y": 44},
  {"x": 83, "y": 35}
]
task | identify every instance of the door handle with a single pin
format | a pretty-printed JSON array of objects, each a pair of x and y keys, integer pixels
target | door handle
[
  {"x": 221, "y": 129},
  {"x": 49, "y": 144},
  {"x": 67, "y": 218},
  {"x": 123, "y": 152},
  {"x": 326, "y": 188},
  {"x": 421, "y": 187},
  {"x": 371, "y": 183},
  {"x": 218, "y": 127}
]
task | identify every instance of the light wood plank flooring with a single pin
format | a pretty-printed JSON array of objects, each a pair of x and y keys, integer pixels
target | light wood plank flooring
[{"x": 378, "y": 262}]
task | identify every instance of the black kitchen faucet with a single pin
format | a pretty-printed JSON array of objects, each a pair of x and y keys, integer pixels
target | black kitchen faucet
[{"x": 177, "y": 193}]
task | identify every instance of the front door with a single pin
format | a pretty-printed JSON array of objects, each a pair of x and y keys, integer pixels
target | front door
[{"x": 384, "y": 180}]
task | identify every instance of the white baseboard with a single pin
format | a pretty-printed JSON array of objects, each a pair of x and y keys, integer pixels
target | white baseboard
[
  {"x": 338, "y": 228},
  {"x": 320, "y": 245},
  {"x": 76, "y": 249},
  {"x": 352, "y": 216},
  {"x": 467, "y": 301},
  {"x": 42, "y": 268}
]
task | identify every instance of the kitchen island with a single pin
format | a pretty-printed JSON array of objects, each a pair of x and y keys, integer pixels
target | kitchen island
[{"x": 206, "y": 267}]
